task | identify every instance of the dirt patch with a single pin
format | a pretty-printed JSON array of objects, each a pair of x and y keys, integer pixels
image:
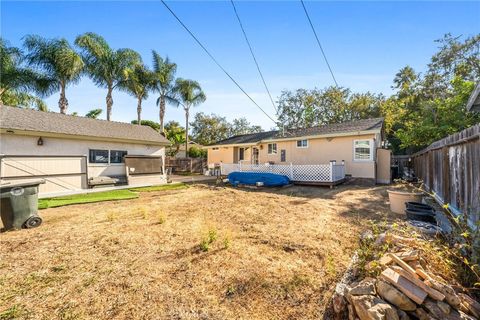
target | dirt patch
[{"x": 273, "y": 254}]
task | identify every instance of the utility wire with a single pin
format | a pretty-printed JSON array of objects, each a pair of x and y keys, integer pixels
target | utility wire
[
  {"x": 215, "y": 60},
  {"x": 253, "y": 55},
  {"x": 319, "y": 44}
]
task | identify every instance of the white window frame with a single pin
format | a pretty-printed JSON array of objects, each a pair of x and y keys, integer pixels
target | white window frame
[
  {"x": 370, "y": 142},
  {"x": 301, "y": 142},
  {"x": 274, "y": 152},
  {"x": 105, "y": 164}
]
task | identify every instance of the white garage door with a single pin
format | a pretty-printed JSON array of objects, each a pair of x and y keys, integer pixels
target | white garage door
[{"x": 61, "y": 173}]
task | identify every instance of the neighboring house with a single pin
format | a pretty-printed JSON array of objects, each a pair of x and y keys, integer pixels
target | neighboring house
[
  {"x": 356, "y": 143},
  {"x": 68, "y": 151},
  {"x": 473, "y": 103}
]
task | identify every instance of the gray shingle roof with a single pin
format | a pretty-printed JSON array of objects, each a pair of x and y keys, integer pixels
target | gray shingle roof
[
  {"x": 337, "y": 128},
  {"x": 51, "y": 122}
]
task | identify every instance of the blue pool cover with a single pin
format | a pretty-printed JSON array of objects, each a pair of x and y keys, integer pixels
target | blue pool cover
[{"x": 251, "y": 178}]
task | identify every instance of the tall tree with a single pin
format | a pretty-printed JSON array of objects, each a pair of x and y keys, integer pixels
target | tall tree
[
  {"x": 152, "y": 124},
  {"x": 190, "y": 94},
  {"x": 94, "y": 113},
  {"x": 138, "y": 83},
  {"x": 58, "y": 61},
  {"x": 306, "y": 108},
  {"x": 18, "y": 80},
  {"x": 164, "y": 83},
  {"x": 207, "y": 129},
  {"x": 242, "y": 126},
  {"x": 107, "y": 67},
  {"x": 175, "y": 133}
]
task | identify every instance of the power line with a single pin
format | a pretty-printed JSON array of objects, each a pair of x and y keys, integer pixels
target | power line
[
  {"x": 319, "y": 44},
  {"x": 215, "y": 60},
  {"x": 253, "y": 55}
]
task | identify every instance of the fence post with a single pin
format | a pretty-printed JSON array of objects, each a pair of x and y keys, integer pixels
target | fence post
[
  {"x": 291, "y": 171},
  {"x": 344, "y": 169},
  {"x": 332, "y": 163},
  {"x": 240, "y": 165}
]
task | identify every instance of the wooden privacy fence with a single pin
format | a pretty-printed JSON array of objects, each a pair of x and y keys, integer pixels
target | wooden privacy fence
[
  {"x": 194, "y": 165},
  {"x": 331, "y": 173},
  {"x": 450, "y": 168}
]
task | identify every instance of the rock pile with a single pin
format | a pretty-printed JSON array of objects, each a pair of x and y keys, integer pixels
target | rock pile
[{"x": 405, "y": 289}]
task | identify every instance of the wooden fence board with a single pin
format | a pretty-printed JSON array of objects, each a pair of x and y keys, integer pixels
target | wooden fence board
[{"x": 451, "y": 169}]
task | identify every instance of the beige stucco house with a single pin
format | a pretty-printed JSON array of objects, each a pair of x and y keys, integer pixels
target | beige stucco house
[
  {"x": 68, "y": 151},
  {"x": 357, "y": 143}
]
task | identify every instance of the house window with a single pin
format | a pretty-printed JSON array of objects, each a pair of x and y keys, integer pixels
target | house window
[
  {"x": 116, "y": 156},
  {"x": 272, "y": 148},
  {"x": 362, "y": 150},
  {"x": 98, "y": 156},
  {"x": 302, "y": 143}
]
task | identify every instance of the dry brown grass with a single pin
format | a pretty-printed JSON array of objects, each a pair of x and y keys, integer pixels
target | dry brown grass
[{"x": 276, "y": 255}]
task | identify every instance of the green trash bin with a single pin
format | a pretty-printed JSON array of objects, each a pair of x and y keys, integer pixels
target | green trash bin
[{"x": 19, "y": 204}]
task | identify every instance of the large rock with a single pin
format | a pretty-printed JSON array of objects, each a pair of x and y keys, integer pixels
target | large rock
[
  {"x": 450, "y": 295},
  {"x": 436, "y": 311},
  {"x": 369, "y": 307},
  {"x": 402, "y": 315},
  {"x": 394, "y": 296},
  {"x": 364, "y": 287}
]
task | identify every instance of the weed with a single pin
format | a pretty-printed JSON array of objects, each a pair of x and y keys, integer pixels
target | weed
[
  {"x": 111, "y": 216},
  {"x": 227, "y": 242},
  {"x": 212, "y": 235},
  {"x": 231, "y": 290},
  {"x": 57, "y": 268},
  {"x": 330, "y": 265},
  {"x": 207, "y": 240},
  {"x": 12, "y": 313},
  {"x": 161, "y": 218},
  {"x": 204, "y": 245}
]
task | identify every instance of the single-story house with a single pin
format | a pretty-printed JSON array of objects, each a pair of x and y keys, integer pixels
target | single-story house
[
  {"x": 72, "y": 152},
  {"x": 357, "y": 144}
]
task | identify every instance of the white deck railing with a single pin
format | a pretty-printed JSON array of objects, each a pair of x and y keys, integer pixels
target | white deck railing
[{"x": 331, "y": 172}]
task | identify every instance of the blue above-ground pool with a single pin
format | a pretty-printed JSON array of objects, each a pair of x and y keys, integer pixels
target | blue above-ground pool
[{"x": 252, "y": 178}]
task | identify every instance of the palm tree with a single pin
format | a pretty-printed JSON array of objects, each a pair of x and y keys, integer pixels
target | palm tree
[
  {"x": 190, "y": 94},
  {"x": 138, "y": 83},
  {"x": 107, "y": 67},
  {"x": 164, "y": 83},
  {"x": 94, "y": 113},
  {"x": 176, "y": 135},
  {"x": 59, "y": 62},
  {"x": 17, "y": 80}
]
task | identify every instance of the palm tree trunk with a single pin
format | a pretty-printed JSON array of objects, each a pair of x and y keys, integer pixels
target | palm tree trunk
[
  {"x": 63, "y": 102},
  {"x": 109, "y": 101},
  {"x": 187, "y": 111},
  {"x": 162, "y": 112},
  {"x": 139, "y": 111}
]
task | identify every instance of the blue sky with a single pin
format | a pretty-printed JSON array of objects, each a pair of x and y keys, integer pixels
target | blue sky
[{"x": 366, "y": 44}]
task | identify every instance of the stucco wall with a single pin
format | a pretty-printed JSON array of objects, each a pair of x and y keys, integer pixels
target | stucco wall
[
  {"x": 319, "y": 151},
  {"x": 222, "y": 154},
  {"x": 11, "y": 144}
]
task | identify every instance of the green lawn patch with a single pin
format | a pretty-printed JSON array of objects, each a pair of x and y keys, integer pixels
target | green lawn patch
[
  {"x": 163, "y": 187},
  {"x": 86, "y": 198}
]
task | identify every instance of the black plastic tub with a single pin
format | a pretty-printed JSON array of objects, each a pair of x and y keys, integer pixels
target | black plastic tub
[
  {"x": 421, "y": 215},
  {"x": 419, "y": 206}
]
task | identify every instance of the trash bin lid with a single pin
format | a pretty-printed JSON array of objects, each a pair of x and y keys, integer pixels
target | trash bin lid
[{"x": 4, "y": 184}]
